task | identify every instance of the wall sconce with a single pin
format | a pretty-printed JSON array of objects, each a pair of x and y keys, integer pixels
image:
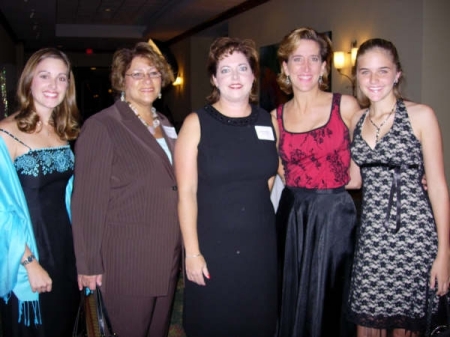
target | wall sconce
[
  {"x": 340, "y": 61},
  {"x": 178, "y": 81}
]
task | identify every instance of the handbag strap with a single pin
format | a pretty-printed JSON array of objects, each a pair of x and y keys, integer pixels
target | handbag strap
[
  {"x": 430, "y": 301},
  {"x": 103, "y": 316}
]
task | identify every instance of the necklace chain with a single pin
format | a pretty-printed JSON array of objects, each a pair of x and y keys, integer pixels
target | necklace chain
[
  {"x": 378, "y": 128},
  {"x": 155, "y": 116}
]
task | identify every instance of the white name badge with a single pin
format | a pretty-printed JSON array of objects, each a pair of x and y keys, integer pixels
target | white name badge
[
  {"x": 264, "y": 132},
  {"x": 170, "y": 132}
]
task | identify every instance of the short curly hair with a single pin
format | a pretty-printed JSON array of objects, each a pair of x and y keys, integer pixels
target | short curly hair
[
  {"x": 122, "y": 61},
  {"x": 224, "y": 46}
]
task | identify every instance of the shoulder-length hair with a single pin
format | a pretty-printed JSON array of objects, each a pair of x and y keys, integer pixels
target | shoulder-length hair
[
  {"x": 122, "y": 59},
  {"x": 65, "y": 117},
  {"x": 224, "y": 46},
  {"x": 290, "y": 43}
]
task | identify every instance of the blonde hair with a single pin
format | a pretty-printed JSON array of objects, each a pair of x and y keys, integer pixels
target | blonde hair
[{"x": 288, "y": 45}]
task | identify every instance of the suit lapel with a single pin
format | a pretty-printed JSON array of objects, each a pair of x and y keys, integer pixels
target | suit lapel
[{"x": 140, "y": 131}]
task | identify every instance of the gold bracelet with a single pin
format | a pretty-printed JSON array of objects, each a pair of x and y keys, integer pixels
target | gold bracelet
[{"x": 195, "y": 255}]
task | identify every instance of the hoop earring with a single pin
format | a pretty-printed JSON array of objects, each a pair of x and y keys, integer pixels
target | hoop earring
[{"x": 320, "y": 80}]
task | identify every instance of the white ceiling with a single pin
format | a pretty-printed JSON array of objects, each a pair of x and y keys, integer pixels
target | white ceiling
[{"x": 106, "y": 25}]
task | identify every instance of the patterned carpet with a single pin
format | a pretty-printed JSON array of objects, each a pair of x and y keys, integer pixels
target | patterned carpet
[{"x": 176, "y": 328}]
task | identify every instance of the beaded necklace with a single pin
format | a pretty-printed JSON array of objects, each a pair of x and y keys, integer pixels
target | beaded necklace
[{"x": 156, "y": 121}]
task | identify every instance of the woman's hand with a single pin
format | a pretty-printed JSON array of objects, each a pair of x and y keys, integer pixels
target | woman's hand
[
  {"x": 38, "y": 277},
  {"x": 440, "y": 274},
  {"x": 196, "y": 269},
  {"x": 89, "y": 281}
]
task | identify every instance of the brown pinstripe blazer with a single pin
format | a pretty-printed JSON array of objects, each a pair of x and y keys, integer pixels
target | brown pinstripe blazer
[{"x": 124, "y": 204}]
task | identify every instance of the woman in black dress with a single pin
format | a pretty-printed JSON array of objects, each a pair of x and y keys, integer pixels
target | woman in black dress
[
  {"x": 37, "y": 232},
  {"x": 226, "y": 160}
]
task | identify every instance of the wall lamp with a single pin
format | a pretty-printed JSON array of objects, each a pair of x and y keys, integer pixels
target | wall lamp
[
  {"x": 178, "y": 81},
  {"x": 343, "y": 59}
]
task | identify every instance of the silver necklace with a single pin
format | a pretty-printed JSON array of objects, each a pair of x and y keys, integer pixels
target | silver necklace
[
  {"x": 155, "y": 117},
  {"x": 41, "y": 125},
  {"x": 378, "y": 128}
]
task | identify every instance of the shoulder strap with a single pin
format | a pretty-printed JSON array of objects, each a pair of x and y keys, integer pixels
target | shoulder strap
[
  {"x": 280, "y": 117},
  {"x": 15, "y": 138}
]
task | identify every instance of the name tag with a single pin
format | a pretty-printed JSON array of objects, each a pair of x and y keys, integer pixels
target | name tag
[
  {"x": 264, "y": 132},
  {"x": 170, "y": 132}
]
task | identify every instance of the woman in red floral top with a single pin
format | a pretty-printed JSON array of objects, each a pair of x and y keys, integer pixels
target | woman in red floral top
[{"x": 316, "y": 216}]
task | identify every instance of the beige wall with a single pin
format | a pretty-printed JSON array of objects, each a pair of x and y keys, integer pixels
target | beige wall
[
  {"x": 419, "y": 29},
  {"x": 436, "y": 67}
]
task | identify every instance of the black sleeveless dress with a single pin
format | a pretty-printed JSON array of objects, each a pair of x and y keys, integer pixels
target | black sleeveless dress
[
  {"x": 236, "y": 228},
  {"x": 44, "y": 174}
]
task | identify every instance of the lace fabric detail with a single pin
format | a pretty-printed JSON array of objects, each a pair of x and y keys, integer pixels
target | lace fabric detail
[
  {"x": 45, "y": 161},
  {"x": 234, "y": 121}
]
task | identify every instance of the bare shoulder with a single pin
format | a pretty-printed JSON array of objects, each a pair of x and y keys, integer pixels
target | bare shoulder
[
  {"x": 191, "y": 121},
  {"x": 9, "y": 125},
  {"x": 190, "y": 130},
  {"x": 419, "y": 113},
  {"x": 349, "y": 106}
]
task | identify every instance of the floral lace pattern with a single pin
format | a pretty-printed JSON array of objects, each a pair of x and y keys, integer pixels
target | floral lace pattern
[
  {"x": 316, "y": 159},
  {"x": 45, "y": 161},
  {"x": 391, "y": 268}
]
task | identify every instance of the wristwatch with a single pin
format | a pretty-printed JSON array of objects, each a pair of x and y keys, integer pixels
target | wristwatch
[{"x": 28, "y": 259}]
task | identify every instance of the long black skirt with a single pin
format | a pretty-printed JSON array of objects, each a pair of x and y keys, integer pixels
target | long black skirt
[{"x": 316, "y": 237}]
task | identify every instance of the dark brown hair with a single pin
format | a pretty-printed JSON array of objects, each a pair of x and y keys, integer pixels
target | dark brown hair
[
  {"x": 65, "y": 117},
  {"x": 290, "y": 43},
  {"x": 224, "y": 46},
  {"x": 390, "y": 49},
  {"x": 122, "y": 61}
]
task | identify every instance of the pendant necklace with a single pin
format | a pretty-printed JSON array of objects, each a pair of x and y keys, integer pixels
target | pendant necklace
[
  {"x": 378, "y": 128},
  {"x": 41, "y": 125},
  {"x": 155, "y": 117}
]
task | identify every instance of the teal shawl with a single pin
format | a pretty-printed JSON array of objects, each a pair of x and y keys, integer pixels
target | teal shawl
[{"x": 16, "y": 231}]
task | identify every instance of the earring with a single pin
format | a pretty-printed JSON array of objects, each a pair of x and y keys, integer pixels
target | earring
[
  {"x": 395, "y": 82},
  {"x": 320, "y": 80},
  {"x": 122, "y": 96},
  {"x": 288, "y": 80},
  {"x": 159, "y": 95}
]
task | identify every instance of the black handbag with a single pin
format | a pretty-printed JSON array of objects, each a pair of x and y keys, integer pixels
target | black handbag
[
  {"x": 92, "y": 318},
  {"x": 438, "y": 325}
]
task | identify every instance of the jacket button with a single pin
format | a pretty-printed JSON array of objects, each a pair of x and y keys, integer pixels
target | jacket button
[{"x": 174, "y": 188}]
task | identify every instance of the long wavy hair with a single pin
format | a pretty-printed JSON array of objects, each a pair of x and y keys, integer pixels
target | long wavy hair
[
  {"x": 290, "y": 43},
  {"x": 389, "y": 48},
  {"x": 224, "y": 46},
  {"x": 65, "y": 118}
]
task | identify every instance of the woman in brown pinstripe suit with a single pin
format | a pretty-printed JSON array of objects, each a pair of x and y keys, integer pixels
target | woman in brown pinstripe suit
[{"x": 124, "y": 209}]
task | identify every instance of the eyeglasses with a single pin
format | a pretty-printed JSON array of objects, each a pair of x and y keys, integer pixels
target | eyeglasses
[{"x": 140, "y": 76}]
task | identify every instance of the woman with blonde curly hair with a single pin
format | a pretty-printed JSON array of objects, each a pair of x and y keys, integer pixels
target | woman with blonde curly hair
[{"x": 37, "y": 260}]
